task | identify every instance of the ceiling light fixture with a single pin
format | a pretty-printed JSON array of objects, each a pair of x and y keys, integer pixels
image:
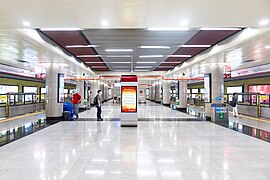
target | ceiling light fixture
[
  {"x": 26, "y": 23},
  {"x": 119, "y": 62},
  {"x": 220, "y": 29},
  {"x": 168, "y": 29},
  {"x": 142, "y": 67},
  {"x": 88, "y": 56},
  {"x": 184, "y": 22},
  {"x": 119, "y": 50},
  {"x": 155, "y": 47},
  {"x": 123, "y": 56},
  {"x": 195, "y": 46},
  {"x": 175, "y": 56},
  {"x": 141, "y": 70},
  {"x": 143, "y": 62},
  {"x": 94, "y": 62},
  {"x": 151, "y": 56},
  {"x": 80, "y": 46},
  {"x": 267, "y": 47},
  {"x": 104, "y": 23},
  {"x": 264, "y": 22},
  {"x": 60, "y": 29}
]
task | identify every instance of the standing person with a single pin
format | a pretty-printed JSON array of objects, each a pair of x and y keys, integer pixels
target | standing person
[
  {"x": 76, "y": 100},
  {"x": 234, "y": 105},
  {"x": 98, "y": 103}
]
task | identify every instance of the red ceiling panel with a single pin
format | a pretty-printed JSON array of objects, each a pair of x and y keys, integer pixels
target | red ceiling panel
[
  {"x": 65, "y": 38},
  {"x": 209, "y": 37}
]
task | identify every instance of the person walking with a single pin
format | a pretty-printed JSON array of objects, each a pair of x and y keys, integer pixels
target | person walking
[
  {"x": 98, "y": 103},
  {"x": 234, "y": 105},
  {"x": 76, "y": 100}
]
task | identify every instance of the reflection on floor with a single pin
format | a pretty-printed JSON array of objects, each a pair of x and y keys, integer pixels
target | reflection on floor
[
  {"x": 146, "y": 111},
  {"x": 154, "y": 150}
]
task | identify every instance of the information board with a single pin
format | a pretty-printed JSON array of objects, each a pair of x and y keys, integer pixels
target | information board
[
  {"x": 207, "y": 88},
  {"x": 61, "y": 88},
  {"x": 129, "y": 99}
]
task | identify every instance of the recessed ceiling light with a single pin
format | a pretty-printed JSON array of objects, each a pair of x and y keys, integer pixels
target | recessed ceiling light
[
  {"x": 179, "y": 56},
  {"x": 195, "y": 46},
  {"x": 267, "y": 47},
  {"x": 142, "y": 67},
  {"x": 220, "y": 29},
  {"x": 151, "y": 56},
  {"x": 26, "y": 23},
  {"x": 60, "y": 29},
  {"x": 119, "y": 50},
  {"x": 119, "y": 62},
  {"x": 168, "y": 29},
  {"x": 143, "y": 62},
  {"x": 264, "y": 22},
  {"x": 184, "y": 22},
  {"x": 88, "y": 56},
  {"x": 123, "y": 56},
  {"x": 155, "y": 47},
  {"x": 80, "y": 46},
  {"x": 104, "y": 23}
]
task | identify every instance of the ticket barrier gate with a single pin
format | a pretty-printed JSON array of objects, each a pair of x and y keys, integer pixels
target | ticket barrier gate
[{"x": 220, "y": 113}]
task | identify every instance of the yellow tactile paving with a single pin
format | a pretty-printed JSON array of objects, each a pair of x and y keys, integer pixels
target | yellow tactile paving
[{"x": 21, "y": 116}]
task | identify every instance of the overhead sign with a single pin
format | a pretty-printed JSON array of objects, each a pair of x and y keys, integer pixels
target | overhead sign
[
  {"x": 251, "y": 71},
  {"x": 129, "y": 99}
]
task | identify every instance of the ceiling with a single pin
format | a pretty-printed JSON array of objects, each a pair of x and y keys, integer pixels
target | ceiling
[
  {"x": 133, "y": 13},
  {"x": 163, "y": 47}
]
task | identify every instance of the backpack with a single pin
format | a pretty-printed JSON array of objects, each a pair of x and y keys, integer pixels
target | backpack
[{"x": 96, "y": 100}]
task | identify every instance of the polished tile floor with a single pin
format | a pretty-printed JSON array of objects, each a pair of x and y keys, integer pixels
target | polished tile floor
[
  {"x": 153, "y": 150},
  {"x": 149, "y": 110}
]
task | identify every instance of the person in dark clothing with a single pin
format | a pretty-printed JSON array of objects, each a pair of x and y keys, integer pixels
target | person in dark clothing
[
  {"x": 99, "y": 105},
  {"x": 234, "y": 105}
]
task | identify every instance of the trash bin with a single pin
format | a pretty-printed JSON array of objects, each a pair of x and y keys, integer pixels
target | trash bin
[
  {"x": 220, "y": 113},
  {"x": 69, "y": 107},
  {"x": 66, "y": 115}
]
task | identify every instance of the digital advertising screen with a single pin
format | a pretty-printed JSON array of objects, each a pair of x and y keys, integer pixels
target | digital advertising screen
[
  {"x": 234, "y": 89},
  {"x": 61, "y": 88},
  {"x": 129, "y": 99},
  {"x": 263, "y": 89}
]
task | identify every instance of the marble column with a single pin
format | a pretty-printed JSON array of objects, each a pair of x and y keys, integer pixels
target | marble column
[
  {"x": 182, "y": 95},
  {"x": 166, "y": 93},
  {"x": 158, "y": 91},
  {"x": 217, "y": 86},
  {"x": 153, "y": 91},
  {"x": 54, "y": 109}
]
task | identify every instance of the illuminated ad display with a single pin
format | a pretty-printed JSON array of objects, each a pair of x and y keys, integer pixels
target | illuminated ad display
[
  {"x": 207, "y": 88},
  {"x": 129, "y": 99},
  {"x": 61, "y": 88}
]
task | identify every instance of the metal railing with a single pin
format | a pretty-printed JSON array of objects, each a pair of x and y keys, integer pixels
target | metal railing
[{"x": 195, "y": 99}]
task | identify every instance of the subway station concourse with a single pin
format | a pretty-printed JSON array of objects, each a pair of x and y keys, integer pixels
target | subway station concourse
[{"x": 134, "y": 89}]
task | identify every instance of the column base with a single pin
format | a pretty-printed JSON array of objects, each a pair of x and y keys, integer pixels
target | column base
[
  {"x": 158, "y": 101},
  {"x": 207, "y": 118},
  {"x": 167, "y": 105},
  {"x": 184, "y": 110},
  {"x": 53, "y": 120}
]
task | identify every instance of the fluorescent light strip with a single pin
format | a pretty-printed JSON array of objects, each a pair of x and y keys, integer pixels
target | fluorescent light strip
[
  {"x": 90, "y": 56},
  {"x": 80, "y": 46},
  {"x": 143, "y": 62},
  {"x": 151, "y": 56},
  {"x": 143, "y": 67},
  {"x": 155, "y": 47},
  {"x": 176, "y": 56},
  {"x": 119, "y": 62},
  {"x": 220, "y": 29},
  {"x": 98, "y": 172},
  {"x": 140, "y": 70},
  {"x": 168, "y": 29},
  {"x": 119, "y": 50},
  {"x": 94, "y": 62},
  {"x": 195, "y": 46},
  {"x": 124, "y": 56},
  {"x": 267, "y": 47},
  {"x": 60, "y": 29},
  {"x": 98, "y": 67}
]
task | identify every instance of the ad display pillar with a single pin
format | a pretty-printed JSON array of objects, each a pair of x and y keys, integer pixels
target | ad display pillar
[
  {"x": 129, "y": 101},
  {"x": 182, "y": 96},
  {"x": 54, "y": 101},
  {"x": 214, "y": 87},
  {"x": 94, "y": 88},
  {"x": 166, "y": 93},
  {"x": 80, "y": 86},
  {"x": 158, "y": 91}
]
